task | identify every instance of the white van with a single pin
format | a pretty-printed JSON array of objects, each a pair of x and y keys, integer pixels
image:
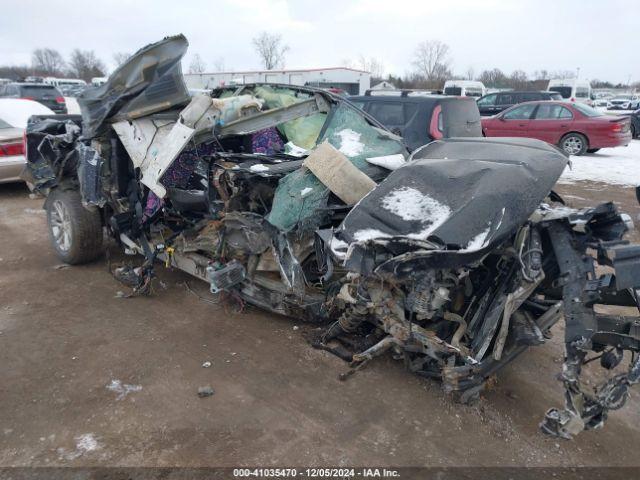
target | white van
[
  {"x": 464, "y": 88},
  {"x": 58, "y": 82},
  {"x": 572, "y": 89}
]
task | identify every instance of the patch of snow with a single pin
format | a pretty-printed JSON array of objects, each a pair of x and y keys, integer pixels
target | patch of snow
[
  {"x": 294, "y": 150},
  {"x": 86, "y": 443},
  {"x": 390, "y": 162},
  {"x": 259, "y": 168},
  {"x": 369, "y": 234},
  {"x": 339, "y": 247},
  {"x": 477, "y": 242},
  {"x": 615, "y": 166},
  {"x": 350, "y": 143},
  {"x": 122, "y": 389},
  {"x": 411, "y": 204},
  {"x": 305, "y": 191}
]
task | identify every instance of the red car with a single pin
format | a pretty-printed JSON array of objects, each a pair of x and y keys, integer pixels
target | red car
[{"x": 574, "y": 127}]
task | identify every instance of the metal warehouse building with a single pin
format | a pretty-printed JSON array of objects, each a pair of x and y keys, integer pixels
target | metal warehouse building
[{"x": 355, "y": 82}]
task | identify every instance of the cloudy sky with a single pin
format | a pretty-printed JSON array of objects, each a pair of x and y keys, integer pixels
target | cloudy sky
[{"x": 602, "y": 38}]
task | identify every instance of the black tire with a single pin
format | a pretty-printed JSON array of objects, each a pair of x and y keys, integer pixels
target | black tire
[
  {"x": 75, "y": 231},
  {"x": 592, "y": 150},
  {"x": 574, "y": 144},
  {"x": 634, "y": 134}
]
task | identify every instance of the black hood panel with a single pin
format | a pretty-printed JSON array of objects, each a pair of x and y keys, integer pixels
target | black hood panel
[{"x": 464, "y": 193}]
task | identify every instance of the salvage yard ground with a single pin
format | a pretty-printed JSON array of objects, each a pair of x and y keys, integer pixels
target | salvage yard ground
[{"x": 89, "y": 378}]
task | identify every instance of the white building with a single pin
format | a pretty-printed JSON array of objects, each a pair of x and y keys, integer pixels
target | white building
[{"x": 354, "y": 82}]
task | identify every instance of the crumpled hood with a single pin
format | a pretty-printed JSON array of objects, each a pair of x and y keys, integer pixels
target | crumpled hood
[
  {"x": 467, "y": 194},
  {"x": 149, "y": 81}
]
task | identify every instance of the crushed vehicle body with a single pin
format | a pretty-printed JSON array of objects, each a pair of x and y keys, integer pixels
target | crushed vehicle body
[{"x": 456, "y": 258}]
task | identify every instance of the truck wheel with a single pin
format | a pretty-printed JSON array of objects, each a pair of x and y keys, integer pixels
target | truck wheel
[
  {"x": 75, "y": 231},
  {"x": 574, "y": 144},
  {"x": 592, "y": 150},
  {"x": 634, "y": 134}
]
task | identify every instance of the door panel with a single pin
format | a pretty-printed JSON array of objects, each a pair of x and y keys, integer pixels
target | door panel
[
  {"x": 551, "y": 121},
  {"x": 515, "y": 121}
]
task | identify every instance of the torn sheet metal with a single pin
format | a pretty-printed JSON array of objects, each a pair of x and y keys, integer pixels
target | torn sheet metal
[{"x": 150, "y": 81}]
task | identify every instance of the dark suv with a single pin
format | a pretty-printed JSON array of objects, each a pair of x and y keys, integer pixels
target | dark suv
[
  {"x": 497, "y": 102},
  {"x": 419, "y": 118},
  {"x": 47, "y": 95}
]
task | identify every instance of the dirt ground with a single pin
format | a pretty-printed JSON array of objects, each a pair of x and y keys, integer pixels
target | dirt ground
[{"x": 88, "y": 379}]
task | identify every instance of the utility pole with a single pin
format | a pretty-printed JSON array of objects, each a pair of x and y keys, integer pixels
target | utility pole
[{"x": 578, "y": 72}]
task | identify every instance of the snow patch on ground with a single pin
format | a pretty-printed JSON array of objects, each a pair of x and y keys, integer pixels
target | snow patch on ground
[
  {"x": 85, "y": 443},
  {"x": 122, "y": 389},
  {"x": 350, "y": 143},
  {"x": 259, "y": 168},
  {"x": 390, "y": 162},
  {"x": 616, "y": 166}
]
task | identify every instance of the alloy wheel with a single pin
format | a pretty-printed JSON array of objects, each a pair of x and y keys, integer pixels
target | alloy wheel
[
  {"x": 572, "y": 145},
  {"x": 61, "y": 225}
]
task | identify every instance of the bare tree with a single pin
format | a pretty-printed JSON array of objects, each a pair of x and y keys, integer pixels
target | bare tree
[
  {"x": 197, "y": 65},
  {"x": 494, "y": 78},
  {"x": 372, "y": 65},
  {"x": 15, "y": 72},
  {"x": 431, "y": 61},
  {"x": 219, "y": 64},
  {"x": 563, "y": 74},
  {"x": 85, "y": 65},
  {"x": 541, "y": 75},
  {"x": 271, "y": 50},
  {"x": 120, "y": 57},
  {"x": 518, "y": 80},
  {"x": 470, "y": 74},
  {"x": 47, "y": 61}
]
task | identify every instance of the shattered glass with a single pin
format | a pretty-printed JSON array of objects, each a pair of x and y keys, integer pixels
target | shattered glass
[{"x": 300, "y": 196}]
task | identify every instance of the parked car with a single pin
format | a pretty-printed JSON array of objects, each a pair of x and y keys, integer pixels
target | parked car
[
  {"x": 497, "y": 102},
  {"x": 464, "y": 88},
  {"x": 635, "y": 123},
  {"x": 14, "y": 114},
  {"x": 574, "y": 127},
  {"x": 47, "y": 95},
  {"x": 420, "y": 119},
  {"x": 624, "y": 102},
  {"x": 572, "y": 89},
  {"x": 455, "y": 260}
]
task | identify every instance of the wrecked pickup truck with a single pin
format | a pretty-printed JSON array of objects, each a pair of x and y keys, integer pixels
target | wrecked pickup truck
[{"x": 455, "y": 258}]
